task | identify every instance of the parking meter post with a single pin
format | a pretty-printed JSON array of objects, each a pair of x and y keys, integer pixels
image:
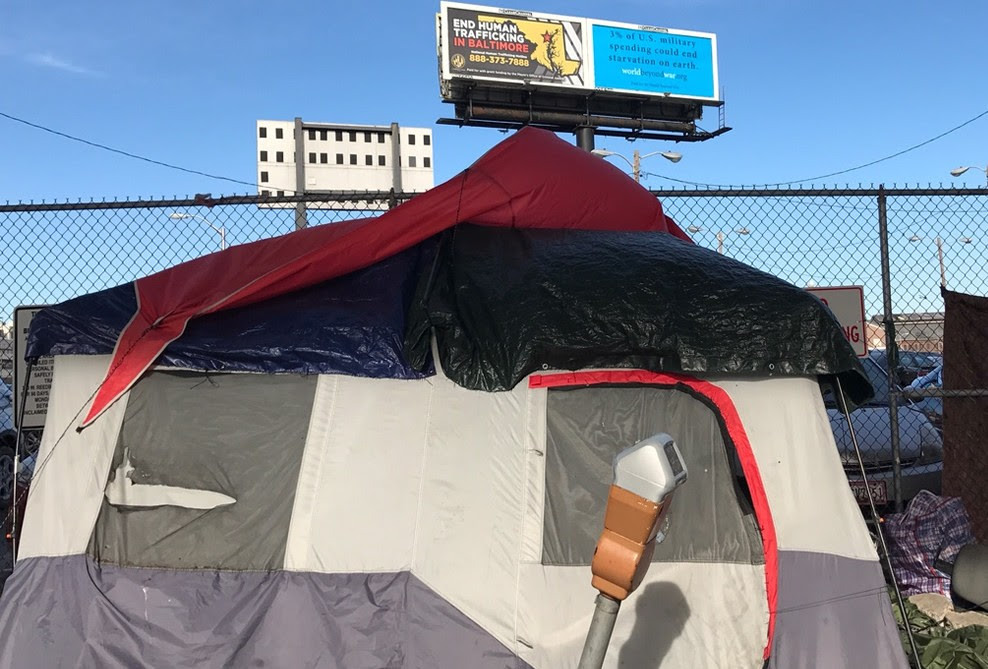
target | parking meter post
[
  {"x": 890, "y": 345},
  {"x": 645, "y": 478},
  {"x": 599, "y": 635}
]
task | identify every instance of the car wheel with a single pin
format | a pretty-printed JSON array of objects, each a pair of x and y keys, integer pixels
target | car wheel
[{"x": 6, "y": 475}]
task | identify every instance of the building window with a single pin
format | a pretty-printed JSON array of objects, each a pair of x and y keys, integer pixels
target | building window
[
  {"x": 411, "y": 140},
  {"x": 353, "y": 158},
  {"x": 339, "y": 158},
  {"x": 312, "y": 157},
  {"x": 265, "y": 193},
  {"x": 427, "y": 139},
  {"x": 369, "y": 160},
  {"x": 367, "y": 137},
  {"x": 312, "y": 134},
  {"x": 262, "y": 132},
  {"x": 380, "y": 161},
  {"x": 264, "y": 177},
  {"x": 279, "y": 133},
  {"x": 279, "y": 157},
  {"x": 264, "y": 156},
  {"x": 411, "y": 161},
  {"x": 323, "y": 158},
  {"x": 339, "y": 135},
  {"x": 281, "y": 193},
  {"x": 427, "y": 162},
  {"x": 353, "y": 136},
  {"x": 380, "y": 138}
]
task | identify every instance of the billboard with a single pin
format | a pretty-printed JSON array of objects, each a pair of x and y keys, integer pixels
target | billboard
[
  {"x": 486, "y": 44},
  {"x": 502, "y": 45}
]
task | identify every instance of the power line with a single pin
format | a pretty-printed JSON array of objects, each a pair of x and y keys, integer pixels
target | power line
[
  {"x": 831, "y": 174},
  {"x": 126, "y": 153}
]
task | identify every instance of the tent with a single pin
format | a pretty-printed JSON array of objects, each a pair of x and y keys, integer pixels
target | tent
[{"x": 386, "y": 443}]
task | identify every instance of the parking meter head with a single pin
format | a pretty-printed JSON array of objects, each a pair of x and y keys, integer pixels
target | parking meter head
[{"x": 645, "y": 478}]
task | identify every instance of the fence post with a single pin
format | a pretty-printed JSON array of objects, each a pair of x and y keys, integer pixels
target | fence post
[{"x": 891, "y": 349}]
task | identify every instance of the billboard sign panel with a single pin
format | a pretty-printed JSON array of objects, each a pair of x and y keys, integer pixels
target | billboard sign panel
[
  {"x": 847, "y": 303},
  {"x": 506, "y": 45},
  {"x": 640, "y": 59},
  {"x": 586, "y": 55}
]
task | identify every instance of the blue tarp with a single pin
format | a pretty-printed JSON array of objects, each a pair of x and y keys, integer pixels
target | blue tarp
[{"x": 351, "y": 325}]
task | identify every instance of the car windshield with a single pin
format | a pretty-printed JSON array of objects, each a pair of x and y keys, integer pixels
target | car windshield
[{"x": 879, "y": 381}]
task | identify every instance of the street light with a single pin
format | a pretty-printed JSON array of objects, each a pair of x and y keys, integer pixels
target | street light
[
  {"x": 957, "y": 171},
  {"x": 939, "y": 242},
  {"x": 180, "y": 216},
  {"x": 636, "y": 161},
  {"x": 693, "y": 229}
]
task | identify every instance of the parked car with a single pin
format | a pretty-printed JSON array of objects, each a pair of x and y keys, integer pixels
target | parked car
[
  {"x": 911, "y": 364},
  {"x": 920, "y": 443},
  {"x": 8, "y": 440}
]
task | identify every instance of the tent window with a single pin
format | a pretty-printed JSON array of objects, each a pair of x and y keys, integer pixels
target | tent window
[
  {"x": 711, "y": 518},
  {"x": 206, "y": 457}
]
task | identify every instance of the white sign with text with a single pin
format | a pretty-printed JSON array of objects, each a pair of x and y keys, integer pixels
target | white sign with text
[
  {"x": 847, "y": 303},
  {"x": 39, "y": 385}
]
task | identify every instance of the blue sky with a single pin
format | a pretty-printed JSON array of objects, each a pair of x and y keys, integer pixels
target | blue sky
[{"x": 811, "y": 88}]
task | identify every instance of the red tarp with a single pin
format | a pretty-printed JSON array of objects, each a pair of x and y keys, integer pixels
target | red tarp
[{"x": 533, "y": 179}]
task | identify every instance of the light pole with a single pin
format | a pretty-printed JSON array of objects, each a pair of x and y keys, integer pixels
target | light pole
[
  {"x": 636, "y": 159},
  {"x": 939, "y": 242},
  {"x": 720, "y": 234},
  {"x": 957, "y": 171},
  {"x": 180, "y": 216}
]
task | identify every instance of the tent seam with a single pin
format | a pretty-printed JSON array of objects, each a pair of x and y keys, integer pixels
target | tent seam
[{"x": 425, "y": 458}]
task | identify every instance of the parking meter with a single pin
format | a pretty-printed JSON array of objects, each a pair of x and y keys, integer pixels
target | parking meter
[{"x": 645, "y": 478}]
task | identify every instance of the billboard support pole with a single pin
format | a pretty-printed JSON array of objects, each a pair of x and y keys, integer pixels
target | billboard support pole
[
  {"x": 300, "y": 215},
  {"x": 584, "y": 137}
]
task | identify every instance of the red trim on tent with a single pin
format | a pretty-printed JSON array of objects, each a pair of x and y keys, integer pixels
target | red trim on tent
[
  {"x": 735, "y": 430},
  {"x": 533, "y": 179}
]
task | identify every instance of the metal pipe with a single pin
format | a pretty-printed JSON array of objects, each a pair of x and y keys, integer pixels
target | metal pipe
[
  {"x": 576, "y": 120},
  {"x": 892, "y": 360},
  {"x": 584, "y": 137},
  {"x": 300, "y": 215},
  {"x": 599, "y": 634}
]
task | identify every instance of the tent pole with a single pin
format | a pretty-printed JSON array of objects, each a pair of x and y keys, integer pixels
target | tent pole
[{"x": 878, "y": 526}]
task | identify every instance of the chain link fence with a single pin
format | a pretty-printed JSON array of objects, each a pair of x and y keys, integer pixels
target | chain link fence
[{"x": 903, "y": 246}]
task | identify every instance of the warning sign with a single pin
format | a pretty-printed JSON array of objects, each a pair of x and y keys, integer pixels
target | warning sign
[
  {"x": 847, "y": 303},
  {"x": 39, "y": 385}
]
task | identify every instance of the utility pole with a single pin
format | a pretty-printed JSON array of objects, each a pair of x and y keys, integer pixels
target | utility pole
[{"x": 636, "y": 165}]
